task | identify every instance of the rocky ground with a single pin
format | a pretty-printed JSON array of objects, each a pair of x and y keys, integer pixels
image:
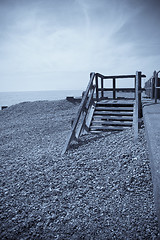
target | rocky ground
[{"x": 100, "y": 189}]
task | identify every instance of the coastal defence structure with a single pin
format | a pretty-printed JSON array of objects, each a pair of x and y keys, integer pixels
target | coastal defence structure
[{"x": 104, "y": 109}]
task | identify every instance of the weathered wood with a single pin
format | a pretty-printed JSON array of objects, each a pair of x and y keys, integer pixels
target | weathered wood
[
  {"x": 97, "y": 93},
  {"x": 114, "y": 104},
  {"x": 102, "y": 94},
  {"x": 114, "y": 88},
  {"x": 153, "y": 85},
  {"x": 135, "y": 115},
  {"x": 83, "y": 121},
  {"x": 118, "y": 76},
  {"x": 109, "y": 128},
  {"x": 156, "y": 85},
  {"x": 88, "y": 99},
  {"x": 139, "y": 96},
  {"x": 80, "y": 110},
  {"x": 111, "y": 123},
  {"x": 115, "y": 118},
  {"x": 121, "y": 109},
  {"x": 105, "y": 113},
  {"x": 120, "y": 89}
]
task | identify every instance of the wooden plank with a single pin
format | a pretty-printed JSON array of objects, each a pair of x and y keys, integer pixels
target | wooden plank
[
  {"x": 115, "y": 118},
  {"x": 118, "y": 98},
  {"x": 90, "y": 99},
  {"x": 153, "y": 85},
  {"x": 156, "y": 85},
  {"x": 109, "y": 128},
  {"x": 118, "y": 76},
  {"x": 101, "y": 104},
  {"x": 97, "y": 93},
  {"x": 83, "y": 121},
  {"x": 135, "y": 115},
  {"x": 139, "y": 96},
  {"x": 118, "y": 89},
  {"x": 111, "y": 123},
  {"x": 81, "y": 107},
  {"x": 113, "y": 113},
  {"x": 102, "y": 95},
  {"x": 114, "y": 88},
  {"x": 128, "y": 109}
]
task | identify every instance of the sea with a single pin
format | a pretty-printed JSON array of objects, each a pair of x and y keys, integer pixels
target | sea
[{"x": 12, "y": 98}]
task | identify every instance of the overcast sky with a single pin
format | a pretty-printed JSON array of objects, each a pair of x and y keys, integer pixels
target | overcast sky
[{"x": 55, "y": 44}]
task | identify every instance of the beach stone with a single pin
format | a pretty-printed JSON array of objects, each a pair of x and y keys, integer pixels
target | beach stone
[{"x": 100, "y": 189}]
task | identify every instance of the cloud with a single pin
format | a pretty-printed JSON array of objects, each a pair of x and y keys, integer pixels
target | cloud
[{"x": 42, "y": 41}]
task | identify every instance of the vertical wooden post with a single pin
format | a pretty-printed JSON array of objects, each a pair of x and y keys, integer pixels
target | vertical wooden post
[
  {"x": 97, "y": 93},
  {"x": 135, "y": 88},
  {"x": 139, "y": 96},
  {"x": 158, "y": 85},
  {"x": 114, "y": 88},
  {"x": 102, "y": 94},
  {"x": 156, "y": 81},
  {"x": 153, "y": 85},
  {"x": 135, "y": 119}
]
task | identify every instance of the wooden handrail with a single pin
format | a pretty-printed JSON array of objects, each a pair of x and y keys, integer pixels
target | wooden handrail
[
  {"x": 151, "y": 86},
  {"x": 118, "y": 76},
  {"x": 87, "y": 106},
  {"x": 81, "y": 109},
  {"x": 119, "y": 89}
]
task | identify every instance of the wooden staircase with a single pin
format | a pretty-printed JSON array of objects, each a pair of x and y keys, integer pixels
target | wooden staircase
[
  {"x": 98, "y": 111},
  {"x": 111, "y": 116}
]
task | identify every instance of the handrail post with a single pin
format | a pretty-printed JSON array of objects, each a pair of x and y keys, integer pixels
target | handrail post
[
  {"x": 114, "y": 88},
  {"x": 139, "y": 95},
  {"x": 102, "y": 93},
  {"x": 97, "y": 93},
  {"x": 137, "y": 105}
]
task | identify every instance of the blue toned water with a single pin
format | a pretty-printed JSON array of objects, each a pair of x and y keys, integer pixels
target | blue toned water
[{"x": 11, "y": 98}]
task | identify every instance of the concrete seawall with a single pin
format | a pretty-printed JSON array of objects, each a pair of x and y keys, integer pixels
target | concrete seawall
[{"x": 151, "y": 114}]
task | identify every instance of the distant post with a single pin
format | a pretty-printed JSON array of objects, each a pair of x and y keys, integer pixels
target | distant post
[
  {"x": 156, "y": 81},
  {"x": 153, "y": 85}
]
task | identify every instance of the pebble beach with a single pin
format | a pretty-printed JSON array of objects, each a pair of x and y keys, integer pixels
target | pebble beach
[{"x": 101, "y": 188}]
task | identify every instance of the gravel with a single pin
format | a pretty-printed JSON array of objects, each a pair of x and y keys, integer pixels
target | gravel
[{"x": 100, "y": 189}]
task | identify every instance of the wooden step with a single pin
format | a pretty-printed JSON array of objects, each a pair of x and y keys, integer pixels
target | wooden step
[
  {"x": 106, "y": 113},
  {"x": 111, "y": 123},
  {"x": 107, "y": 128},
  {"x": 121, "y": 109},
  {"x": 101, "y": 104},
  {"x": 113, "y": 118}
]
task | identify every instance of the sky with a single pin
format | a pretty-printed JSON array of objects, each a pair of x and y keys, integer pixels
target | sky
[{"x": 55, "y": 44}]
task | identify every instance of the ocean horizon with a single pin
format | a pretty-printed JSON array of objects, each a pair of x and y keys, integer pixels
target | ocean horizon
[{"x": 12, "y": 98}]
